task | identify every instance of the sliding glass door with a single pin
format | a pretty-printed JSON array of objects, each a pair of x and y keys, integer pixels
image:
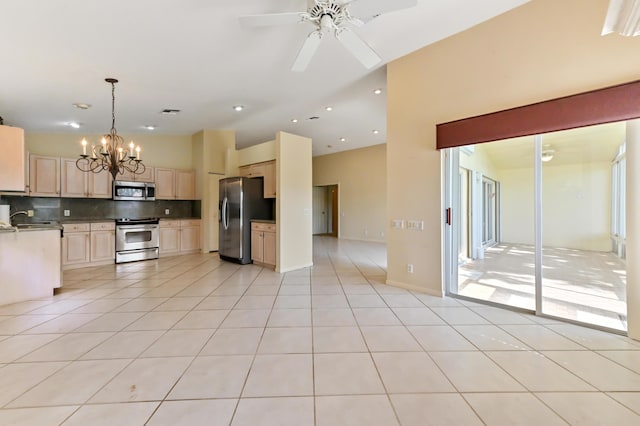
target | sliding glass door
[
  {"x": 538, "y": 223},
  {"x": 495, "y": 222},
  {"x": 583, "y": 273}
]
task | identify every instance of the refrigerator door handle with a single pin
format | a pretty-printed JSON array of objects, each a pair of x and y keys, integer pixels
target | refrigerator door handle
[{"x": 225, "y": 213}]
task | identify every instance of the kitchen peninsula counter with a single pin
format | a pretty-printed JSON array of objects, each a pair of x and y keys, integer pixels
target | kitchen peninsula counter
[{"x": 29, "y": 263}]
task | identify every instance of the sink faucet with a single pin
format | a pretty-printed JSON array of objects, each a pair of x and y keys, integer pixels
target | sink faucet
[{"x": 24, "y": 212}]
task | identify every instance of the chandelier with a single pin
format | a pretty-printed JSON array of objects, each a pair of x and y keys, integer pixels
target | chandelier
[{"x": 112, "y": 154}]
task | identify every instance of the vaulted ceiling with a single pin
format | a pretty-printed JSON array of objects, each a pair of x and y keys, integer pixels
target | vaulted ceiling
[{"x": 196, "y": 56}]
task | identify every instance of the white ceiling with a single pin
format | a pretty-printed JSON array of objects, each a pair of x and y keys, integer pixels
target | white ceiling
[
  {"x": 592, "y": 144},
  {"x": 194, "y": 55}
]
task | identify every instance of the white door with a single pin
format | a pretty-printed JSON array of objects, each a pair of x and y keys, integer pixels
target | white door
[{"x": 320, "y": 210}]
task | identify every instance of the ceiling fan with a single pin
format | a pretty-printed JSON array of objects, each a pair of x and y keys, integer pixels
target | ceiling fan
[{"x": 333, "y": 16}]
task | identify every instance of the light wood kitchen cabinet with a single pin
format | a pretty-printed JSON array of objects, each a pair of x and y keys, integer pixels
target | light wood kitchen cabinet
[
  {"x": 190, "y": 238},
  {"x": 267, "y": 171},
  {"x": 179, "y": 236},
  {"x": 76, "y": 244},
  {"x": 185, "y": 185},
  {"x": 44, "y": 176},
  {"x": 88, "y": 244},
  {"x": 263, "y": 243},
  {"x": 103, "y": 242},
  {"x": 147, "y": 176},
  {"x": 100, "y": 185},
  {"x": 165, "y": 184},
  {"x": 73, "y": 181},
  {"x": 172, "y": 184},
  {"x": 169, "y": 236},
  {"x": 12, "y": 160}
]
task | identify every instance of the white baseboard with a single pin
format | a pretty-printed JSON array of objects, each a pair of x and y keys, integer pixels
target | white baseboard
[
  {"x": 294, "y": 268},
  {"x": 413, "y": 287}
]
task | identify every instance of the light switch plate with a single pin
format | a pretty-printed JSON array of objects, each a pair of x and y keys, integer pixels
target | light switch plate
[{"x": 397, "y": 224}]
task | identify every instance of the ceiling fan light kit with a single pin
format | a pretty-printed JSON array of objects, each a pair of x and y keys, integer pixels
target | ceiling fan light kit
[{"x": 333, "y": 16}]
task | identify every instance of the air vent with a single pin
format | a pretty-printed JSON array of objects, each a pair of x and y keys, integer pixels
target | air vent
[
  {"x": 313, "y": 118},
  {"x": 168, "y": 111}
]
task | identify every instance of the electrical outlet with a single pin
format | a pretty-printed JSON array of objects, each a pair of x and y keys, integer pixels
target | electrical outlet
[
  {"x": 67, "y": 212},
  {"x": 382, "y": 234},
  {"x": 166, "y": 211},
  {"x": 30, "y": 213},
  {"x": 410, "y": 268},
  {"x": 366, "y": 232}
]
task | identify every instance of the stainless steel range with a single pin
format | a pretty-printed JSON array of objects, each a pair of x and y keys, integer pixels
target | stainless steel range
[{"x": 137, "y": 239}]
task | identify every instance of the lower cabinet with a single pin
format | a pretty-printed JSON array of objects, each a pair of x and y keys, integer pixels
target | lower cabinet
[
  {"x": 179, "y": 236},
  {"x": 263, "y": 243},
  {"x": 88, "y": 244},
  {"x": 76, "y": 244},
  {"x": 103, "y": 242}
]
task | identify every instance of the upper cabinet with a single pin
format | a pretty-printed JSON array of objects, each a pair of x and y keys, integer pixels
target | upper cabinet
[
  {"x": 270, "y": 179},
  {"x": 44, "y": 176},
  {"x": 12, "y": 160},
  {"x": 147, "y": 176},
  {"x": 185, "y": 185},
  {"x": 73, "y": 181},
  {"x": 172, "y": 184},
  {"x": 267, "y": 171},
  {"x": 165, "y": 184},
  {"x": 59, "y": 177}
]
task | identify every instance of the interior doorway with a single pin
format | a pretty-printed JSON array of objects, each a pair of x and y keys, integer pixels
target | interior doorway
[{"x": 325, "y": 210}]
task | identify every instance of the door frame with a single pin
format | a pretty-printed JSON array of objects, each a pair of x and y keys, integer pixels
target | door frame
[{"x": 333, "y": 203}]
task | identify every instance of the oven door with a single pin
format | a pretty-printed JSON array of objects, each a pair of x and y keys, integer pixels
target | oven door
[{"x": 133, "y": 237}]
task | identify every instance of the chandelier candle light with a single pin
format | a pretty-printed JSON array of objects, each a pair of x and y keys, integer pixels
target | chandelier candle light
[{"x": 112, "y": 155}]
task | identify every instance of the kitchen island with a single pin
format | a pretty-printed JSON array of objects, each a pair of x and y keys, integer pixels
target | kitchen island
[{"x": 29, "y": 263}]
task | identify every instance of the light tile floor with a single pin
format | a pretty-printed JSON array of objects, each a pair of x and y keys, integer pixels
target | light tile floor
[
  {"x": 192, "y": 340},
  {"x": 580, "y": 285}
]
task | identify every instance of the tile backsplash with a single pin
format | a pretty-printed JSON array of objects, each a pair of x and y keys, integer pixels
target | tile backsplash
[{"x": 46, "y": 208}]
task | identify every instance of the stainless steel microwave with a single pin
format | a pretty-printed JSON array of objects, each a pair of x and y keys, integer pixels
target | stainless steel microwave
[{"x": 134, "y": 191}]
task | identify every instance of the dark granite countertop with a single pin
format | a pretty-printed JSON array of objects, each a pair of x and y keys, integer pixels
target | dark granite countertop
[{"x": 263, "y": 221}]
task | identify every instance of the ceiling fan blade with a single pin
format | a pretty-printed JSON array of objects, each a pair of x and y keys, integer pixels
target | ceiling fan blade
[
  {"x": 307, "y": 51},
  {"x": 358, "y": 47},
  {"x": 270, "y": 19},
  {"x": 366, "y": 10},
  {"x": 623, "y": 17}
]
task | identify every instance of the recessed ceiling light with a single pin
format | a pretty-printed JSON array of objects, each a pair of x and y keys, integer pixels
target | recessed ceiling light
[
  {"x": 238, "y": 108},
  {"x": 294, "y": 120},
  {"x": 375, "y": 132},
  {"x": 150, "y": 127},
  {"x": 82, "y": 106},
  {"x": 377, "y": 91},
  {"x": 328, "y": 108},
  {"x": 329, "y": 146},
  {"x": 343, "y": 139},
  {"x": 74, "y": 125}
]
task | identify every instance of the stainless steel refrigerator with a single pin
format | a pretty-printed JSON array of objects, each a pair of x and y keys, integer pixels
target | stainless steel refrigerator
[{"x": 241, "y": 200}]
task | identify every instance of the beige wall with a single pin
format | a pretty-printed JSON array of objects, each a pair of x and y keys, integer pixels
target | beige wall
[
  {"x": 576, "y": 206},
  {"x": 541, "y": 50},
  {"x": 157, "y": 150},
  {"x": 361, "y": 178},
  {"x": 293, "y": 205},
  {"x": 633, "y": 228},
  {"x": 265, "y": 151},
  {"x": 479, "y": 161}
]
